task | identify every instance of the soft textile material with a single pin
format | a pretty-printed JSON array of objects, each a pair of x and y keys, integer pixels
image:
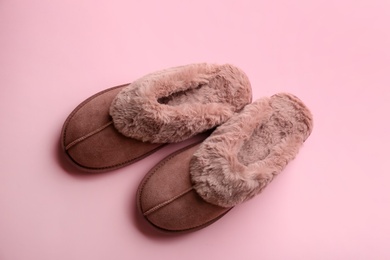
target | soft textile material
[
  {"x": 174, "y": 104},
  {"x": 244, "y": 154}
]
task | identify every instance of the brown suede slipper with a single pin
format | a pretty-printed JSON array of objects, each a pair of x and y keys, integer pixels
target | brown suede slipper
[
  {"x": 121, "y": 125},
  {"x": 197, "y": 185}
]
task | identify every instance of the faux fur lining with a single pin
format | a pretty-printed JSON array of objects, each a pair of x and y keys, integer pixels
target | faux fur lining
[
  {"x": 174, "y": 104},
  {"x": 244, "y": 154}
]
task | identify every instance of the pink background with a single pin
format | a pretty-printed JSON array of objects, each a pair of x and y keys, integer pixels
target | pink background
[{"x": 332, "y": 202}]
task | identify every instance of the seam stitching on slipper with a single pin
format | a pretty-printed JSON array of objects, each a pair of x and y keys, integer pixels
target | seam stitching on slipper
[
  {"x": 157, "y": 167},
  {"x": 162, "y": 204},
  {"x": 105, "y": 168},
  {"x": 78, "y": 140}
]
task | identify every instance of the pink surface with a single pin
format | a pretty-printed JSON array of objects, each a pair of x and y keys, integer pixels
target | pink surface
[{"x": 332, "y": 202}]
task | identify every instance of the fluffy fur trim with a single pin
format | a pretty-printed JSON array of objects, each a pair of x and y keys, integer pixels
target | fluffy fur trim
[
  {"x": 174, "y": 104},
  {"x": 239, "y": 159}
]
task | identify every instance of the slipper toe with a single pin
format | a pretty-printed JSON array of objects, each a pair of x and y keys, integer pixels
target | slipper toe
[
  {"x": 91, "y": 141},
  {"x": 167, "y": 199}
]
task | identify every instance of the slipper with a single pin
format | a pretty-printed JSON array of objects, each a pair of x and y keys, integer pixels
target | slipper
[
  {"x": 197, "y": 185},
  {"x": 121, "y": 125}
]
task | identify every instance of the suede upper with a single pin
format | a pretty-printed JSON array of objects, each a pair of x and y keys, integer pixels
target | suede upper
[{"x": 91, "y": 141}]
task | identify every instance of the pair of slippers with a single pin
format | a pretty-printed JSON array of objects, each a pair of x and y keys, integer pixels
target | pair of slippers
[{"x": 195, "y": 186}]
